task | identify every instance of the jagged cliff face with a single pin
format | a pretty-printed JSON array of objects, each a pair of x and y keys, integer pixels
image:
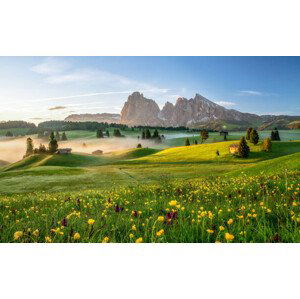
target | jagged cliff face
[
  {"x": 198, "y": 110},
  {"x": 139, "y": 110}
]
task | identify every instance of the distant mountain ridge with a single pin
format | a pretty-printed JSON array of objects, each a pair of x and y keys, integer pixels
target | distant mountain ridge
[{"x": 194, "y": 112}]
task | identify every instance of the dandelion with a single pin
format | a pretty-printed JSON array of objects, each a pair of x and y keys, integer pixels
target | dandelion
[
  {"x": 48, "y": 239},
  {"x": 230, "y": 221},
  {"x": 133, "y": 227},
  {"x": 131, "y": 236},
  {"x": 76, "y": 236},
  {"x": 91, "y": 221},
  {"x": 105, "y": 240},
  {"x": 139, "y": 240},
  {"x": 210, "y": 231},
  {"x": 229, "y": 237},
  {"x": 18, "y": 235},
  {"x": 221, "y": 227},
  {"x": 172, "y": 203},
  {"x": 161, "y": 218},
  {"x": 36, "y": 233},
  {"x": 160, "y": 233}
]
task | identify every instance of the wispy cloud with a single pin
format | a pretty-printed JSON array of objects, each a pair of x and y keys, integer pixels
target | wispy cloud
[
  {"x": 57, "y": 108},
  {"x": 50, "y": 66},
  {"x": 225, "y": 103},
  {"x": 250, "y": 92}
]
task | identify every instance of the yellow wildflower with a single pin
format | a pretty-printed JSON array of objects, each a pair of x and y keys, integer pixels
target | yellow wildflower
[
  {"x": 76, "y": 236},
  {"x": 173, "y": 203},
  {"x": 48, "y": 240},
  {"x": 160, "y": 233},
  {"x": 36, "y": 233},
  {"x": 105, "y": 240},
  {"x": 221, "y": 227},
  {"x": 133, "y": 227},
  {"x": 18, "y": 235},
  {"x": 160, "y": 218},
  {"x": 229, "y": 237},
  {"x": 230, "y": 221},
  {"x": 210, "y": 231},
  {"x": 91, "y": 221},
  {"x": 139, "y": 240}
]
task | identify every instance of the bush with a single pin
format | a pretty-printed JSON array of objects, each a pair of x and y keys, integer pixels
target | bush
[
  {"x": 267, "y": 144},
  {"x": 139, "y": 146}
]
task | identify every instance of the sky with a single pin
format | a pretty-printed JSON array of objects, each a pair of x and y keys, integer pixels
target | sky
[{"x": 36, "y": 89}]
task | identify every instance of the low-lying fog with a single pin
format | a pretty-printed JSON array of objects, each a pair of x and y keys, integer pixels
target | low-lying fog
[{"x": 12, "y": 150}]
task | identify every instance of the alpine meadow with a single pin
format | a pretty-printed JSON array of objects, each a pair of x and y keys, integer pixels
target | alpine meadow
[{"x": 90, "y": 155}]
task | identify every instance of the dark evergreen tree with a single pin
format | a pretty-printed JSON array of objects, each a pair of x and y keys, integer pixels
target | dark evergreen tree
[
  {"x": 53, "y": 146},
  {"x": 195, "y": 141},
  {"x": 143, "y": 135},
  {"x": 267, "y": 144},
  {"x": 99, "y": 133},
  {"x": 57, "y": 136},
  {"x": 107, "y": 133},
  {"x": 148, "y": 134},
  {"x": 9, "y": 134},
  {"x": 275, "y": 135},
  {"x": 254, "y": 137},
  {"x": 42, "y": 149},
  {"x": 64, "y": 136},
  {"x": 248, "y": 133},
  {"x": 117, "y": 133},
  {"x": 155, "y": 134},
  {"x": 187, "y": 142},
  {"x": 204, "y": 135},
  {"x": 29, "y": 147},
  {"x": 243, "y": 149},
  {"x": 139, "y": 146},
  {"x": 217, "y": 153}
]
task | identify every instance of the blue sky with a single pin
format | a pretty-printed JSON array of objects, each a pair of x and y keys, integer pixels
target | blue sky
[{"x": 43, "y": 88}]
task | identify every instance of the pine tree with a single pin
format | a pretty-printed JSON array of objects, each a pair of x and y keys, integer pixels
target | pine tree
[
  {"x": 187, "y": 142},
  {"x": 155, "y": 134},
  {"x": 254, "y": 137},
  {"x": 277, "y": 137},
  {"x": 195, "y": 141},
  {"x": 204, "y": 135},
  {"x": 243, "y": 149},
  {"x": 57, "y": 136},
  {"x": 217, "y": 153},
  {"x": 273, "y": 136},
  {"x": 139, "y": 146},
  {"x": 148, "y": 134},
  {"x": 248, "y": 133},
  {"x": 64, "y": 136},
  {"x": 9, "y": 134},
  {"x": 53, "y": 146},
  {"x": 143, "y": 135},
  {"x": 117, "y": 133},
  {"x": 29, "y": 147},
  {"x": 99, "y": 133},
  {"x": 267, "y": 144},
  {"x": 42, "y": 149},
  {"x": 107, "y": 133}
]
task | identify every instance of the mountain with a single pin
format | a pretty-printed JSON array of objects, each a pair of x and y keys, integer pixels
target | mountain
[
  {"x": 197, "y": 112},
  {"x": 99, "y": 117}
]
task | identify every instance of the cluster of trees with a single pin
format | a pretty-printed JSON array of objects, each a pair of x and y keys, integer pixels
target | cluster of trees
[
  {"x": 252, "y": 136},
  {"x": 11, "y": 124},
  {"x": 275, "y": 135},
  {"x": 203, "y": 137},
  {"x": 9, "y": 134},
  {"x": 146, "y": 134},
  {"x": 52, "y": 146},
  {"x": 60, "y": 125},
  {"x": 100, "y": 134}
]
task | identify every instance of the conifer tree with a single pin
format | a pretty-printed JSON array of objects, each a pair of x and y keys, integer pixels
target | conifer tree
[
  {"x": 267, "y": 144},
  {"x": 139, "y": 146},
  {"x": 254, "y": 137},
  {"x": 243, "y": 149},
  {"x": 204, "y": 135},
  {"x": 107, "y": 133},
  {"x": 143, "y": 135},
  {"x": 57, "y": 136},
  {"x": 53, "y": 146},
  {"x": 187, "y": 142},
  {"x": 248, "y": 133},
  {"x": 117, "y": 133},
  {"x": 29, "y": 147},
  {"x": 155, "y": 134},
  {"x": 195, "y": 141},
  {"x": 277, "y": 137},
  {"x": 9, "y": 134},
  {"x": 99, "y": 133},
  {"x": 273, "y": 137},
  {"x": 148, "y": 134},
  {"x": 64, "y": 136}
]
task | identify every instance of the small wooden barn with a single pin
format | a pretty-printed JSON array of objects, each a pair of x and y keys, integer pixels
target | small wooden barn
[{"x": 233, "y": 148}]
